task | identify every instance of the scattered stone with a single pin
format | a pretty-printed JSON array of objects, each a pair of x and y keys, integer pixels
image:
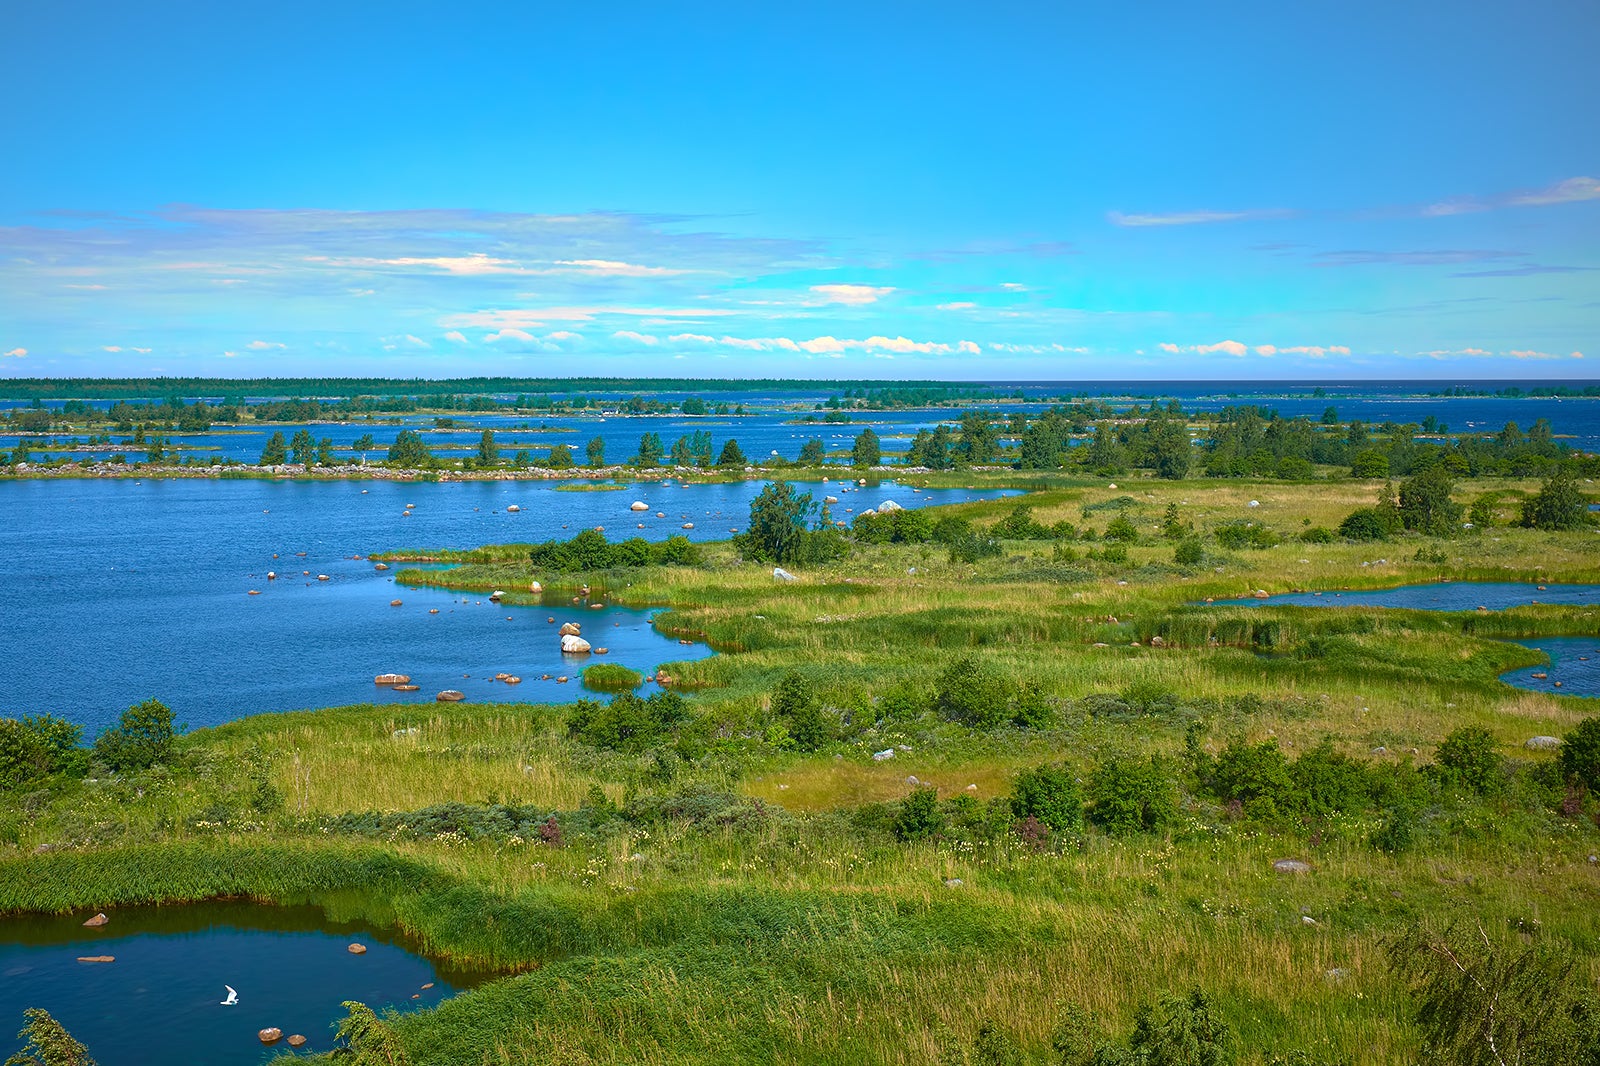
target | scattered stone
[
  {"x": 1157, "y": 642},
  {"x": 1380, "y": 750},
  {"x": 880, "y": 756},
  {"x": 1253, "y": 503},
  {"x": 638, "y": 505},
  {"x": 392, "y": 679},
  {"x": 1291, "y": 866},
  {"x": 394, "y": 603},
  {"x": 296, "y": 1040},
  {"x": 688, "y": 525},
  {"x": 427, "y": 986},
  {"x": 513, "y": 509},
  {"x": 562, "y": 680},
  {"x": 449, "y": 695},
  {"x": 1542, "y": 743},
  {"x": 405, "y": 688},
  {"x": 97, "y": 921},
  {"x": 97, "y": 958},
  {"x": 496, "y": 596},
  {"x": 781, "y": 574},
  {"x": 889, "y": 505},
  {"x": 1306, "y": 919},
  {"x": 433, "y": 610},
  {"x": 272, "y": 575},
  {"x": 380, "y": 566},
  {"x": 357, "y": 949},
  {"x": 830, "y": 499},
  {"x": 322, "y": 577},
  {"x": 572, "y": 644},
  {"x": 601, "y": 651},
  {"x": 912, "y": 780},
  {"x": 952, "y": 882},
  {"x": 1260, "y": 594},
  {"x": 534, "y": 586},
  {"x": 972, "y": 788},
  {"x": 253, "y": 592},
  {"x": 570, "y": 629},
  {"x": 270, "y": 1035}
]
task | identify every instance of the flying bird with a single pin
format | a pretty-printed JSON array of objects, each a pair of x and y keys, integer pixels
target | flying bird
[{"x": 233, "y": 997}]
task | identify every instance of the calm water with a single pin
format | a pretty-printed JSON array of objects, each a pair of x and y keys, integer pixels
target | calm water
[
  {"x": 160, "y": 1001},
  {"x": 1574, "y": 661},
  {"x": 116, "y": 591},
  {"x": 1443, "y": 596}
]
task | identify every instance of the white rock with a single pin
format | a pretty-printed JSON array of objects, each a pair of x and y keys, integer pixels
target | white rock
[
  {"x": 1253, "y": 503},
  {"x": 781, "y": 574},
  {"x": 638, "y": 505},
  {"x": 880, "y": 756},
  {"x": 1542, "y": 743},
  {"x": 889, "y": 505},
  {"x": 572, "y": 644}
]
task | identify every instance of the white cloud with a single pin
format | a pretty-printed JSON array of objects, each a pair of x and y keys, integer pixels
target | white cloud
[
  {"x": 1233, "y": 348},
  {"x": 416, "y": 341},
  {"x": 455, "y": 336},
  {"x": 510, "y": 333},
  {"x": 563, "y": 335},
  {"x": 698, "y": 338},
  {"x": 636, "y": 338},
  {"x": 263, "y": 346},
  {"x": 111, "y": 348},
  {"x": 535, "y": 317},
  {"x": 1013, "y": 286},
  {"x": 1193, "y": 218},
  {"x": 851, "y": 295},
  {"x": 1171, "y": 349},
  {"x": 15, "y": 353},
  {"x": 959, "y": 305},
  {"x": 1033, "y": 349},
  {"x": 617, "y": 269}
]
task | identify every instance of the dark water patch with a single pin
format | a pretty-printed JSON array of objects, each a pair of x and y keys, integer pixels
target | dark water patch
[
  {"x": 1440, "y": 596},
  {"x": 160, "y": 1001},
  {"x": 1573, "y": 670}
]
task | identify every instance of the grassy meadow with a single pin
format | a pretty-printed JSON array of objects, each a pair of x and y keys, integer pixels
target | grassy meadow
[{"x": 722, "y": 891}]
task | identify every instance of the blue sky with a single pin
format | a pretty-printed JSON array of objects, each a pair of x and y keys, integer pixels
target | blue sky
[{"x": 998, "y": 190}]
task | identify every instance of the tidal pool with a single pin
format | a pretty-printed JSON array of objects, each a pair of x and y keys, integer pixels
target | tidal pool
[
  {"x": 1574, "y": 668},
  {"x": 1441, "y": 596},
  {"x": 160, "y": 1001}
]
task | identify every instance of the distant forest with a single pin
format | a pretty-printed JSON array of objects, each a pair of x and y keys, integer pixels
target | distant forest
[{"x": 238, "y": 388}]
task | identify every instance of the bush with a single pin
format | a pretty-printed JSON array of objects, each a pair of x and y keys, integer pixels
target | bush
[
  {"x": 1238, "y": 534},
  {"x": 1365, "y": 523},
  {"x": 1557, "y": 505},
  {"x": 628, "y": 722},
  {"x": 1050, "y": 794},
  {"x": 1318, "y": 535},
  {"x": 1020, "y": 525},
  {"x": 1580, "y": 754},
  {"x": 1425, "y": 503},
  {"x": 796, "y": 705},
  {"x": 1328, "y": 783},
  {"x": 1121, "y": 528},
  {"x": 1132, "y": 796},
  {"x": 919, "y": 816},
  {"x": 973, "y": 693},
  {"x": 590, "y": 550},
  {"x": 140, "y": 740},
  {"x": 1189, "y": 552},
  {"x": 36, "y": 747},
  {"x": 1370, "y": 463},
  {"x": 611, "y": 677},
  {"x": 1467, "y": 759},
  {"x": 1256, "y": 775}
]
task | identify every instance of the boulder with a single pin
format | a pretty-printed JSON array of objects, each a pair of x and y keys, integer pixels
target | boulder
[
  {"x": 889, "y": 505},
  {"x": 781, "y": 574},
  {"x": 1291, "y": 866},
  {"x": 880, "y": 756},
  {"x": 270, "y": 1035},
  {"x": 569, "y": 629},
  {"x": 394, "y": 603},
  {"x": 638, "y": 505},
  {"x": 1542, "y": 743},
  {"x": 405, "y": 688},
  {"x": 253, "y": 592},
  {"x": 572, "y": 644},
  {"x": 392, "y": 679},
  {"x": 97, "y": 958},
  {"x": 513, "y": 679},
  {"x": 830, "y": 499},
  {"x": 449, "y": 695},
  {"x": 496, "y": 596},
  {"x": 322, "y": 577},
  {"x": 1157, "y": 642},
  {"x": 534, "y": 586},
  {"x": 433, "y": 610},
  {"x": 513, "y": 509},
  {"x": 272, "y": 575},
  {"x": 1260, "y": 594},
  {"x": 97, "y": 921},
  {"x": 357, "y": 949},
  {"x": 296, "y": 1040}
]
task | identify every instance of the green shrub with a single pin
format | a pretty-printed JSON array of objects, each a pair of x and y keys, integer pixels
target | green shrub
[
  {"x": 141, "y": 739},
  {"x": 1121, "y": 528},
  {"x": 1557, "y": 505},
  {"x": 1366, "y": 523},
  {"x": 918, "y": 816},
  {"x": 1050, "y": 794},
  {"x": 1240, "y": 534},
  {"x": 1131, "y": 796},
  {"x": 973, "y": 693},
  {"x": 1327, "y": 782},
  {"x": 590, "y": 551},
  {"x": 628, "y": 722},
  {"x": 1189, "y": 552},
  {"x": 1318, "y": 535},
  {"x": 795, "y": 704},
  {"x": 1467, "y": 759},
  {"x": 1580, "y": 753},
  {"x": 611, "y": 677},
  {"x": 1256, "y": 775}
]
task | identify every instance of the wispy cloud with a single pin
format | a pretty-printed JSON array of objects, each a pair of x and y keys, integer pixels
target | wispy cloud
[
  {"x": 1427, "y": 257},
  {"x": 1529, "y": 270},
  {"x": 1568, "y": 191},
  {"x": 850, "y": 295},
  {"x": 455, "y": 336},
  {"x": 1195, "y": 218},
  {"x": 1239, "y": 350},
  {"x": 264, "y": 346},
  {"x": 958, "y": 305},
  {"x": 634, "y": 337},
  {"x": 15, "y": 353},
  {"x": 829, "y": 345}
]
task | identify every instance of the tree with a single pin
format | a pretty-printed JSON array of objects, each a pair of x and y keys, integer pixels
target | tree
[
  {"x": 1170, "y": 451},
  {"x": 48, "y": 1043},
  {"x": 488, "y": 450},
  {"x": 973, "y": 693},
  {"x": 694, "y": 406},
  {"x": 1557, "y": 505},
  {"x": 1467, "y": 757},
  {"x": 1105, "y": 452},
  {"x": 1369, "y": 463},
  {"x": 1485, "y": 1002},
  {"x": 304, "y": 448},
  {"x": 779, "y": 529},
  {"x": 979, "y": 441},
  {"x": 325, "y": 451},
  {"x": 408, "y": 450},
  {"x": 1128, "y": 795},
  {"x": 796, "y": 704},
  {"x": 811, "y": 453},
  {"x": 276, "y": 453},
  {"x": 560, "y": 458},
  {"x": 865, "y": 451},
  {"x": 919, "y": 816},
  {"x": 650, "y": 450},
  {"x": 732, "y": 455},
  {"x": 1050, "y": 794},
  {"x": 141, "y": 739},
  {"x": 1425, "y": 503},
  {"x": 597, "y": 452}
]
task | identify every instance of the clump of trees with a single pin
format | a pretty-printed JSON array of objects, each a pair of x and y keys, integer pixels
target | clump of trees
[
  {"x": 590, "y": 550},
  {"x": 789, "y": 528}
]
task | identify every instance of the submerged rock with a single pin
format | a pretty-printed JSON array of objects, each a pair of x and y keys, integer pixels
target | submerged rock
[
  {"x": 297, "y": 1040},
  {"x": 357, "y": 949},
  {"x": 392, "y": 679},
  {"x": 270, "y": 1035},
  {"x": 449, "y": 695},
  {"x": 97, "y": 921}
]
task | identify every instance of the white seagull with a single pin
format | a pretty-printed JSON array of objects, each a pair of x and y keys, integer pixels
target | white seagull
[{"x": 233, "y": 997}]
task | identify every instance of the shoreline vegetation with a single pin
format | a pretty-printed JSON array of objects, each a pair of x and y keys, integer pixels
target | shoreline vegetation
[{"x": 984, "y": 783}]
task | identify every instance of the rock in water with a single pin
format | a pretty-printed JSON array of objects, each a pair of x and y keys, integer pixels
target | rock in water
[
  {"x": 638, "y": 505},
  {"x": 570, "y": 629},
  {"x": 392, "y": 679},
  {"x": 889, "y": 505},
  {"x": 297, "y": 1041},
  {"x": 97, "y": 921},
  {"x": 97, "y": 958},
  {"x": 357, "y": 949},
  {"x": 449, "y": 695},
  {"x": 572, "y": 644},
  {"x": 270, "y": 1035}
]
